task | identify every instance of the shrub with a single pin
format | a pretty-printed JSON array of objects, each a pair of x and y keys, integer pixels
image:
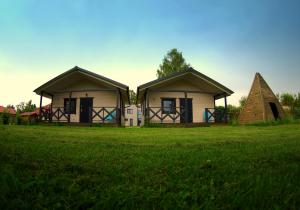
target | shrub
[
  {"x": 18, "y": 120},
  {"x": 5, "y": 118},
  {"x": 296, "y": 113},
  {"x": 33, "y": 120},
  {"x": 27, "y": 121},
  {"x": 232, "y": 113},
  {"x": 234, "y": 121}
]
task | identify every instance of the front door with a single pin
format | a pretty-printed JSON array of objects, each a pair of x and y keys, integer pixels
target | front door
[
  {"x": 86, "y": 105},
  {"x": 131, "y": 122},
  {"x": 189, "y": 110}
]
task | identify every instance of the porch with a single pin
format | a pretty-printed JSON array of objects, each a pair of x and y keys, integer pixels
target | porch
[
  {"x": 179, "y": 115},
  {"x": 187, "y": 112},
  {"x": 100, "y": 115}
]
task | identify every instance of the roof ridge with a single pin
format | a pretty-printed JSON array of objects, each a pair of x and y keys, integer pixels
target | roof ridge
[
  {"x": 189, "y": 70},
  {"x": 79, "y": 69}
]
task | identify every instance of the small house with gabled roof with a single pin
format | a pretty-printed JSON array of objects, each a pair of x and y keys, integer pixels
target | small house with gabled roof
[
  {"x": 183, "y": 97},
  {"x": 81, "y": 96}
]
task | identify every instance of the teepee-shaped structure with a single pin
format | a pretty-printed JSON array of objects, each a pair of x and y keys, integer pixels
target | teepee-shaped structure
[{"x": 261, "y": 104}]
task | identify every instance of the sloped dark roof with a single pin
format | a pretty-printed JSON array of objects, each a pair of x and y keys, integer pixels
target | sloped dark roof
[
  {"x": 78, "y": 69},
  {"x": 178, "y": 74}
]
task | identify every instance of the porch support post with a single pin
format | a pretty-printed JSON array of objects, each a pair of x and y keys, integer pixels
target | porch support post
[
  {"x": 41, "y": 104},
  {"x": 144, "y": 102},
  {"x": 119, "y": 108},
  {"x": 69, "y": 113},
  {"x": 225, "y": 111},
  {"x": 147, "y": 105},
  {"x": 185, "y": 108},
  {"x": 50, "y": 111},
  {"x": 214, "y": 102}
]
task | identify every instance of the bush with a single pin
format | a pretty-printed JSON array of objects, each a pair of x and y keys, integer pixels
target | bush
[
  {"x": 232, "y": 113},
  {"x": 5, "y": 118},
  {"x": 27, "y": 121},
  {"x": 33, "y": 120},
  {"x": 18, "y": 120},
  {"x": 296, "y": 113},
  {"x": 233, "y": 121}
]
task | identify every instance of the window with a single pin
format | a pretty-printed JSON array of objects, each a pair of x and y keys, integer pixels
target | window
[
  {"x": 72, "y": 106},
  {"x": 129, "y": 111},
  {"x": 168, "y": 105}
]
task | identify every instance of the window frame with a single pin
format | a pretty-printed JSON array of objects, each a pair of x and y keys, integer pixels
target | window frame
[
  {"x": 131, "y": 111},
  {"x": 172, "y": 108},
  {"x": 72, "y": 109}
]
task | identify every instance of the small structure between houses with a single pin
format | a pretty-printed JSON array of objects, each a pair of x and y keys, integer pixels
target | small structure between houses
[
  {"x": 81, "y": 96},
  {"x": 186, "y": 97},
  {"x": 262, "y": 104},
  {"x": 133, "y": 116}
]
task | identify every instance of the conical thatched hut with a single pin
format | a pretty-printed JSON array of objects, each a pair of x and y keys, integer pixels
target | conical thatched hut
[{"x": 262, "y": 104}]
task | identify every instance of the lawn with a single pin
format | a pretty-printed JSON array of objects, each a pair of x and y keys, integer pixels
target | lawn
[{"x": 222, "y": 167}]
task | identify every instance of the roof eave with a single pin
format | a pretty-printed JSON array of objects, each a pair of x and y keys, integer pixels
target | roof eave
[
  {"x": 83, "y": 71},
  {"x": 178, "y": 74}
]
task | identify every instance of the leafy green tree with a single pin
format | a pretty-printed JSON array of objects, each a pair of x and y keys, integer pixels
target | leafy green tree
[
  {"x": 132, "y": 97},
  {"x": 243, "y": 101},
  {"x": 4, "y": 117},
  {"x": 297, "y": 100},
  {"x": 172, "y": 62},
  {"x": 26, "y": 107},
  {"x": 288, "y": 99},
  {"x": 10, "y": 106}
]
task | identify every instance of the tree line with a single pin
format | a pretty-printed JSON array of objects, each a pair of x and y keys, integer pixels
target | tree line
[{"x": 23, "y": 107}]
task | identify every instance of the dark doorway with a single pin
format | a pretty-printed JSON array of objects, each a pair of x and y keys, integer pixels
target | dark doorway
[
  {"x": 274, "y": 110},
  {"x": 189, "y": 110},
  {"x": 86, "y": 105},
  {"x": 131, "y": 122}
]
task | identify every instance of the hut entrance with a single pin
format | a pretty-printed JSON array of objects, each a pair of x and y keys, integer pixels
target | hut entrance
[{"x": 274, "y": 110}]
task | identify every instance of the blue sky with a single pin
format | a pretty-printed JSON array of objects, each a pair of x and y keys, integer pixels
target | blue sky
[{"x": 228, "y": 40}]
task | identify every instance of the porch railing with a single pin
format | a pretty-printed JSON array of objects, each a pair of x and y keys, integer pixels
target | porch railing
[
  {"x": 105, "y": 115},
  {"x": 215, "y": 115},
  {"x": 156, "y": 114},
  {"x": 95, "y": 115},
  {"x": 178, "y": 115},
  {"x": 56, "y": 114}
]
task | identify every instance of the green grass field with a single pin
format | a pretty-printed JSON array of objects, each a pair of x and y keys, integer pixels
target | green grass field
[{"x": 221, "y": 167}]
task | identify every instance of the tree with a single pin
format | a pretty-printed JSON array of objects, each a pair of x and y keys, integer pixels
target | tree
[
  {"x": 132, "y": 97},
  {"x": 243, "y": 101},
  {"x": 26, "y": 107},
  {"x": 10, "y": 106},
  {"x": 172, "y": 62},
  {"x": 288, "y": 99},
  {"x": 297, "y": 100},
  {"x": 5, "y": 117}
]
